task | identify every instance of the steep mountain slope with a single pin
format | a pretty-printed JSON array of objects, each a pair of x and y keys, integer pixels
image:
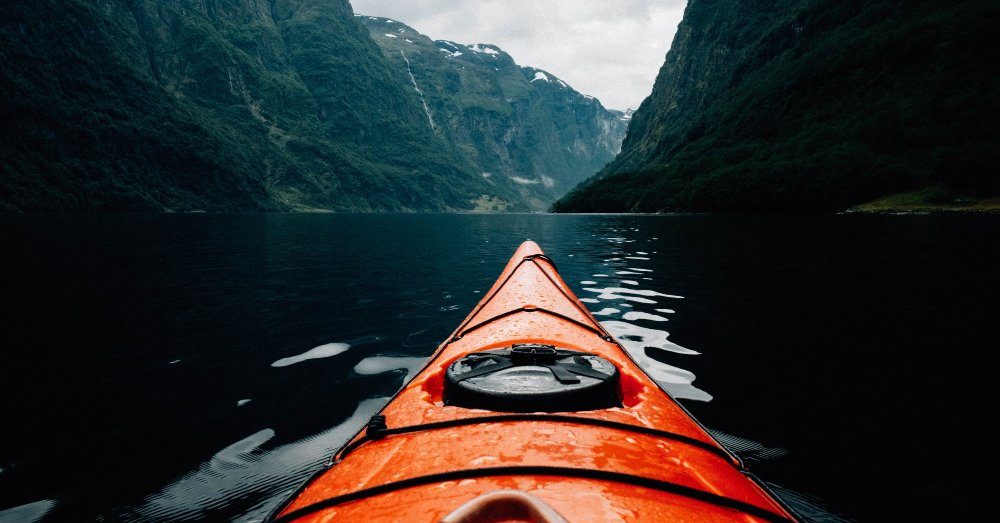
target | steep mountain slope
[
  {"x": 798, "y": 105},
  {"x": 215, "y": 105},
  {"x": 522, "y": 127}
]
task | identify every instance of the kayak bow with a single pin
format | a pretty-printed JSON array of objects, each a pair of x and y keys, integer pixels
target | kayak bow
[{"x": 531, "y": 411}]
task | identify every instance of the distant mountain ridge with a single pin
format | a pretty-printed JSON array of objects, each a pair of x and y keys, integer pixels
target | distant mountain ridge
[
  {"x": 226, "y": 105},
  {"x": 237, "y": 105},
  {"x": 523, "y": 128},
  {"x": 812, "y": 105}
]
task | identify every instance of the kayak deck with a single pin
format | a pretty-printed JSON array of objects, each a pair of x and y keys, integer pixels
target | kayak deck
[{"x": 646, "y": 460}]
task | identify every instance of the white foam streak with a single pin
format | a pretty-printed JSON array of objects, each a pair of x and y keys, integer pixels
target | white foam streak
[
  {"x": 611, "y": 296},
  {"x": 382, "y": 364},
  {"x": 639, "y": 292},
  {"x": 29, "y": 512},
  {"x": 637, "y": 340},
  {"x": 636, "y": 315},
  {"x": 246, "y": 471},
  {"x": 323, "y": 351}
]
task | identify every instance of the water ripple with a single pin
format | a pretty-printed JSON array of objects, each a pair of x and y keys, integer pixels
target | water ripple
[
  {"x": 323, "y": 351},
  {"x": 647, "y": 346},
  {"x": 639, "y": 315},
  {"x": 29, "y": 512},
  {"x": 375, "y": 365},
  {"x": 247, "y": 473}
]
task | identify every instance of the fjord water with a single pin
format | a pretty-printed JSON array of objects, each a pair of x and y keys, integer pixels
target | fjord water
[{"x": 164, "y": 367}]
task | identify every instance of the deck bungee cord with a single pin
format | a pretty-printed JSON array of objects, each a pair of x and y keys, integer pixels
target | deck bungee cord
[{"x": 377, "y": 428}]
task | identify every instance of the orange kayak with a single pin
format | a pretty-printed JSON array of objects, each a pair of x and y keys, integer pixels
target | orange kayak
[{"x": 531, "y": 411}]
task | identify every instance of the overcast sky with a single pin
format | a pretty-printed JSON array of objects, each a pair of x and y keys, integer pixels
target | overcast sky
[{"x": 611, "y": 49}]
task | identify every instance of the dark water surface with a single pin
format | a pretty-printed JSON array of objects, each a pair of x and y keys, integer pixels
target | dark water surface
[{"x": 150, "y": 367}]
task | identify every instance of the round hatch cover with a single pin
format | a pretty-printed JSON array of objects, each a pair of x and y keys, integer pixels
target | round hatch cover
[{"x": 532, "y": 378}]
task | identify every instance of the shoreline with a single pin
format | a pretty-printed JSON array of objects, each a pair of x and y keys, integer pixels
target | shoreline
[{"x": 931, "y": 200}]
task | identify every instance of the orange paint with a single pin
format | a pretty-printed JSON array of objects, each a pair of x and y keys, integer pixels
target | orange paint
[{"x": 533, "y": 283}]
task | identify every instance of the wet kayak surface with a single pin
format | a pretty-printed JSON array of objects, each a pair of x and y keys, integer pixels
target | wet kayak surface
[{"x": 200, "y": 366}]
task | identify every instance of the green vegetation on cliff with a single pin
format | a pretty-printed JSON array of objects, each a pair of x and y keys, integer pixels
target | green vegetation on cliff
[
  {"x": 805, "y": 105},
  {"x": 220, "y": 105}
]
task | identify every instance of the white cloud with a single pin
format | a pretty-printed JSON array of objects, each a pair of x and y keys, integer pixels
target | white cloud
[{"x": 608, "y": 49}]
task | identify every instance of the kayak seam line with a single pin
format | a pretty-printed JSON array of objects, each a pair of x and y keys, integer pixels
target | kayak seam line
[
  {"x": 538, "y": 470},
  {"x": 575, "y": 301},
  {"x": 372, "y": 435},
  {"x": 534, "y": 257},
  {"x": 531, "y": 258},
  {"x": 511, "y": 312},
  {"x": 492, "y": 295}
]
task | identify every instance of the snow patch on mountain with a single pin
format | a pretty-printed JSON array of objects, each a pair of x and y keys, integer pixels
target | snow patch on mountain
[
  {"x": 480, "y": 48},
  {"x": 540, "y": 76}
]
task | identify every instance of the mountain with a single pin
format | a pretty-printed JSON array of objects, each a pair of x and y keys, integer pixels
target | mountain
[
  {"x": 810, "y": 105},
  {"x": 216, "y": 105},
  {"x": 523, "y": 128}
]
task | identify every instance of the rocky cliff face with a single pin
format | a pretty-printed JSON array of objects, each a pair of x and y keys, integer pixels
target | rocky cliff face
[
  {"x": 523, "y": 128},
  {"x": 216, "y": 104},
  {"x": 803, "y": 105}
]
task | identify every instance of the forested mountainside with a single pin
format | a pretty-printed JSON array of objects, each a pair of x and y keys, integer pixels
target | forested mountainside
[
  {"x": 520, "y": 126},
  {"x": 216, "y": 105},
  {"x": 812, "y": 105}
]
